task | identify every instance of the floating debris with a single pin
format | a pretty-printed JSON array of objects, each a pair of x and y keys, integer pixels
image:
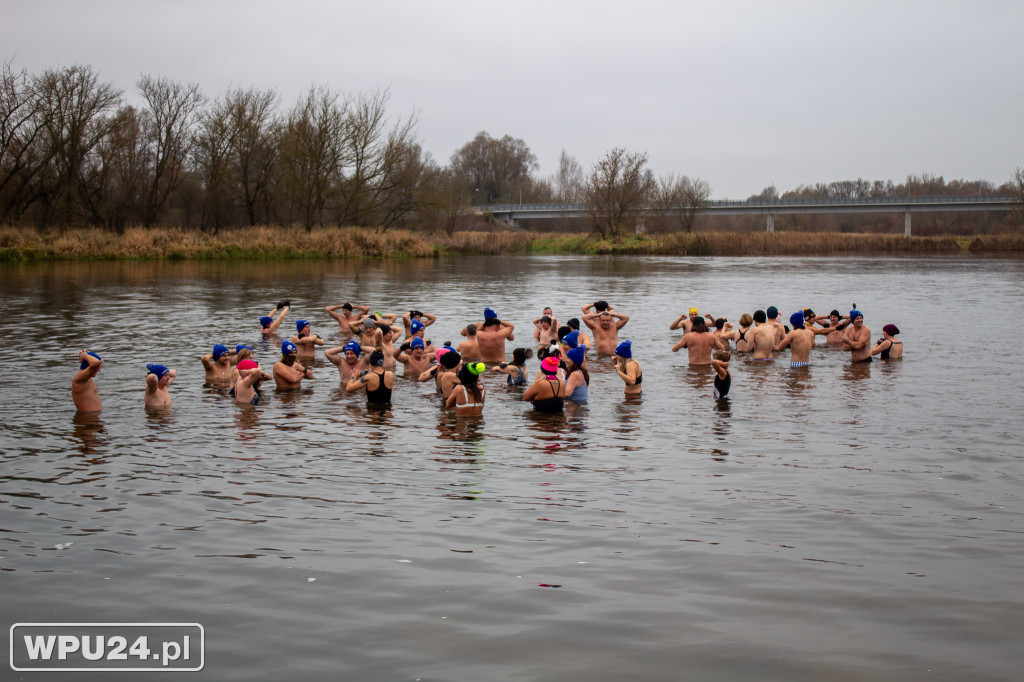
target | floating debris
[
  {"x": 310, "y": 580},
  {"x": 63, "y": 545},
  {"x": 547, "y": 585}
]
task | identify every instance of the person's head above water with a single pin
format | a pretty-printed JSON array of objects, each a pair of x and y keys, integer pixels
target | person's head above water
[
  {"x": 797, "y": 320},
  {"x": 300, "y": 326},
  {"x": 891, "y": 330},
  {"x": 760, "y": 317},
  {"x": 85, "y": 364},
  {"x": 288, "y": 348},
  {"x": 549, "y": 365},
  {"x": 266, "y": 321},
  {"x": 521, "y": 355},
  {"x": 625, "y": 349},
  {"x": 219, "y": 351},
  {"x": 772, "y": 312},
  {"x": 577, "y": 354},
  {"x": 415, "y": 327},
  {"x": 490, "y": 314}
]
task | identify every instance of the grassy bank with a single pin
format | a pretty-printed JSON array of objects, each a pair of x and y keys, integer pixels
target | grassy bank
[{"x": 274, "y": 243}]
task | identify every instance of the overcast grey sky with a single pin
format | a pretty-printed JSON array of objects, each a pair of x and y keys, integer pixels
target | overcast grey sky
[{"x": 743, "y": 94}]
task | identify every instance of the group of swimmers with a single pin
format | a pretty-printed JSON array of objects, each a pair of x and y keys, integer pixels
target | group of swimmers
[{"x": 366, "y": 363}]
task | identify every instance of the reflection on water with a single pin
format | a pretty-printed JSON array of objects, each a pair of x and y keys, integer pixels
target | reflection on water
[{"x": 871, "y": 495}]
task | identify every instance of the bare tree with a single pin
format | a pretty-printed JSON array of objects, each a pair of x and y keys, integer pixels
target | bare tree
[
  {"x": 214, "y": 140},
  {"x": 569, "y": 181},
  {"x": 173, "y": 108},
  {"x": 75, "y": 109},
  {"x": 617, "y": 191},
  {"x": 22, "y": 154},
  {"x": 254, "y": 145},
  {"x": 493, "y": 170},
  {"x": 1017, "y": 188},
  {"x": 120, "y": 169},
  {"x": 311, "y": 152}
]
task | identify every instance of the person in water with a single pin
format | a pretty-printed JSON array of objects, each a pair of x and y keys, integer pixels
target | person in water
[
  {"x": 269, "y": 323},
  {"x": 606, "y": 326},
  {"x": 515, "y": 370},
  {"x": 469, "y": 394},
  {"x": 744, "y": 343},
  {"x": 446, "y": 372},
  {"x": 491, "y": 337},
  {"x": 723, "y": 380},
  {"x": 217, "y": 365},
  {"x": 347, "y": 359},
  {"x": 424, "y": 319},
  {"x": 83, "y": 387},
  {"x": 288, "y": 371},
  {"x": 414, "y": 358},
  {"x": 832, "y": 326},
  {"x": 306, "y": 341},
  {"x": 889, "y": 347},
  {"x": 158, "y": 379},
  {"x": 545, "y": 331},
  {"x": 470, "y": 348},
  {"x": 347, "y": 315},
  {"x": 376, "y": 381},
  {"x": 857, "y": 338},
  {"x": 800, "y": 341},
  {"x": 762, "y": 337},
  {"x": 582, "y": 339},
  {"x": 699, "y": 342},
  {"x": 577, "y": 382},
  {"x": 552, "y": 321},
  {"x": 627, "y": 368},
  {"x": 547, "y": 393},
  {"x": 249, "y": 379},
  {"x": 685, "y": 321}
]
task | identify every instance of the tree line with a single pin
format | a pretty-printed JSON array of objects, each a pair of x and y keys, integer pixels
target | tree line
[{"x": 73, "y": 152}]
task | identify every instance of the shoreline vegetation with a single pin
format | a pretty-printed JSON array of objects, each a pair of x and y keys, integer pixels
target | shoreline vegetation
[{"x": 279, "y": 243}]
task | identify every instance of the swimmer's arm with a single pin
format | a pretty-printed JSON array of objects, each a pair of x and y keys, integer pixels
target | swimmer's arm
[
  {"x": 429, "y": 374},
  {"x": 364, "y": 309},
  {"x": 681, "y": 343},
  {"x": 865, "y": 333},
  {"x": 721, "y": 367},
  {"x": 678, "y": 322},
  {"x": 151, "y": 382},
  {"x": 356, "y": 384},
  {"x": 279, "y": 319},
  {"x": 334, "y": 354},
  {"x": 589, "y": 318},
  {"x": 586, "y": 308},
  {"x": 531, "y": 392},
  {"x": 880, "y": 346},
  {"x": 784, "y": 342},
  {"x": 207, "y": 361},
  {"x": 628, "y": 377},
  {"x": 621, "y": 319},
  {"x": 431, "y": 319},
  {"x": 251, "y": 376},
  {"x": 507, "y": 369},
  {"x": 719, "y": 344},
  {"x": 338, "y": 316}
]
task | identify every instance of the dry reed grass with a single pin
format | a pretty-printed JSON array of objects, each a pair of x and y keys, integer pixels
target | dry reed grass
[{"x": 265, "y": 243}]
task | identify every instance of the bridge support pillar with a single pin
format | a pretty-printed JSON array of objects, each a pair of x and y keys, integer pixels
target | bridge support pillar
[
  {"x": 906, "y": 224},
  {"x": 771, "y": 222}
]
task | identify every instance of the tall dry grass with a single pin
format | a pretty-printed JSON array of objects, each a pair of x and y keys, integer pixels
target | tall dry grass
[{"x": 266, "y": 243}]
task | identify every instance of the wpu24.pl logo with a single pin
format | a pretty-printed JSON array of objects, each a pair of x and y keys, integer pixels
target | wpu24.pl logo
[{"x": 108, "y": 646}]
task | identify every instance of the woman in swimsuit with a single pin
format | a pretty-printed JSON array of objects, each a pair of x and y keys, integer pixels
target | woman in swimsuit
[
  {"x": 377, "y": 381},
  {"x": 468, "y": 399},
  {"x": 516, "y": 370},
  {"x": 445, "y": 372},
  {"x": 744, "y": 344},
  {"x": 546, "y": 394},
  {"x": 578, "y": 382},
  {"x": 627, "y": 368},
  {"x": 246, "y": 389},
  {"x": 889, "y": 347}
]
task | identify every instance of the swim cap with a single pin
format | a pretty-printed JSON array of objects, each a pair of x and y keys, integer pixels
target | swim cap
[
  {"x": 476, "y": 368},
  {"x": 488, "y": 314},
  {"x": 416, "y": 343},
  {"x": 377, "y": 358},
  {"x": 86, "y": 364},
  {"x": 416, "y": 327},
  {"x": 572, "y": 339},
  {"x": 549, "y": 365},
  {"x": 219, "y": 350},
  {"x": 239, "y": 347},
  {"x": 624, "y": 349},
  {"x": 299, "y": 324},
  {"x": 797, "y": 320},
  {"x": 287, "y": 347},
  {"x": 759, "y": 317},
  {"x": 808, "y": 313},
  {"x": 545, "y": 318},
  {"x": 451, "y": 359},
  {"x": 158, "y": 370},
  {"x": 266, "y": 321},
  {"x": 368, "y": 322},
  {"x": 247, "y": 364},
  {"x": 353, "y": 346},
  {"x": 574, "y": 323},
  {"x": 441, "y": 351},
  {"x": 855, "y": 313},
  {"x": 772, "y": 312},
  {"x": 891, "y": 329},
  {"x": 577, "y": 354},
  {"x": 693, "y": 311}
]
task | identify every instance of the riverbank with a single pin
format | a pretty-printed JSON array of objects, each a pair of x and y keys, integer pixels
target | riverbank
[{"x": 275, "y": 243}]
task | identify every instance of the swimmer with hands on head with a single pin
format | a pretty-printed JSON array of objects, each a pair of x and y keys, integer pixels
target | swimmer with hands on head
[
  {"x": 83, "y": 388},
  {"x": 157, "y": 381}
]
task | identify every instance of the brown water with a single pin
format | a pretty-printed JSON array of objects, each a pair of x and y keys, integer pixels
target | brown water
[{"x": 838, "y": 523}]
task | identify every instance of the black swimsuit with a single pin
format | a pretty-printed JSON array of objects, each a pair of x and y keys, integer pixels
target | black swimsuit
[
  {"x": 722, "y": 386},
  {"x": 379, "y": 396},
  {"x": 552, "y": 404}
]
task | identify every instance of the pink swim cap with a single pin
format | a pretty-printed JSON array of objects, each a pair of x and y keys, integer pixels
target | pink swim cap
[
  {"x": 441, "y": 351},
  {"x": 549, "y": 365},
  {"x": 248, "y": 364}
]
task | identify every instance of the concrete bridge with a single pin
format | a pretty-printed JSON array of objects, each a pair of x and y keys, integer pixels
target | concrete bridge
[{"x": 510, "y": 214}]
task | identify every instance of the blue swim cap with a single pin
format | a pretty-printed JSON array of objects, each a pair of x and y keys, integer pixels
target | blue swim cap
[
  {"x": 577, "y": 354},
  {"x": 219, "y": 350},
  {"x": 299, "y": 324},
  {"x": 158, "y": 370},
  {"x": 488, "y": 314},
  {"x": 417, "y": 343},
  {"x": 797, "y": 320},
  {"x": 287, "y": 347},
  {"x": 240, "y": 346},
  {"x": 855, "y": 313},
  {"x": 266, "y": 321},
  {"x": 624, "y": 349},
  {"x": 572, "y": 339},
  {"x": 416, "y": 326},
  {"x": 86, "y": 364},
  {"x": 773, "y": 312},
  {"x": 354, "y": 347}
]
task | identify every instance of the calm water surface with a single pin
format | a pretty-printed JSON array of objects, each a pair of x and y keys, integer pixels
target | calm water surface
[{"x": 838, "y": 523}]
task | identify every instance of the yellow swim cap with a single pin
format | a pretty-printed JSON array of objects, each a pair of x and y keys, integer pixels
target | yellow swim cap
[
  {"x": 477, "y": 368},
  {"x": 693, "y": 311}
]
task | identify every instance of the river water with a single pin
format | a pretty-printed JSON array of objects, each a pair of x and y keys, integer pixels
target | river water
[{"x": 838, "y": 523}]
